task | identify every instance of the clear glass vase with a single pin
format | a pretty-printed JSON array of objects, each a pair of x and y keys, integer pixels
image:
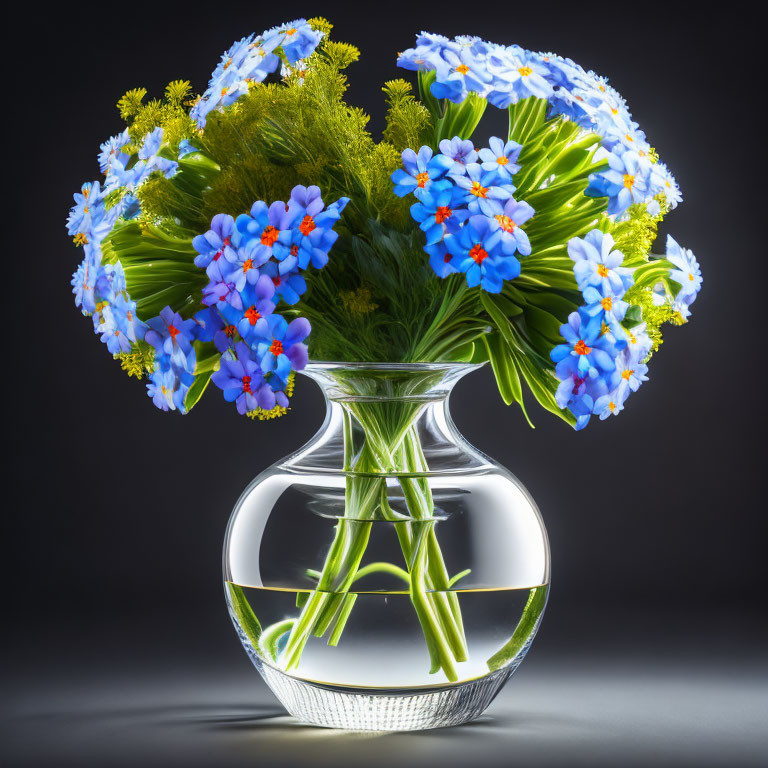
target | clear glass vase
[{"x": 387, "y": 576}]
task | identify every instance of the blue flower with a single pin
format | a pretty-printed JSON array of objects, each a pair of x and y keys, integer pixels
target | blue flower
[
  {"x": 461, "y": 151},
  {"x": 464, "y": 72},
  {"x": 186, "y": 148},
  {"x": 264, "y": 226},
  {"x": 482, "y": 192},
  {"x": 89, "y": 221},
  {"x": 608, "y": 405},
  {"x": 119, "y": 325},
  {"x": 289, "y": 287},
  {"x": 242, "y": 381},
  {"x": 151, "y": 144},
  {"x": 688, "y": 274},
  {"x": 113, "y": 148},
  {"x": 280, "y": 348},
  {"x": 221, "y": 288},
  {"x": 625, "y": 182},
  {"x": 256, "y": 304},
  {"x": 438, "y": 213},
  {"x": 168, "y": 386},
  {"x": 585, "y": 354},
  {"x": 312, "y": 236},
  {"x": 440, "y": 259},
  {"x": 596, "y": 263},
  {"x": 517, "y": 74},
  {"x": 208, "y": 323},
  {"x": 475, "y": 253},
  {"x": 85, "y": 277},
  {"x": 506, "y": 226},
  {"x": 663, "y": 181},
  {"x": 215, "y": 241},
  {"x": 171, "y": 335},
  {"x": 603, "y": 308},
  {"x": 420, "y": 171},
  {"x": 501, "y": 158},
  {"x": 299, "y": 40}
]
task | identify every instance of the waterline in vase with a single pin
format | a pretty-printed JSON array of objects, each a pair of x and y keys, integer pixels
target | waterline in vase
[{"x": 381, "y": 643}]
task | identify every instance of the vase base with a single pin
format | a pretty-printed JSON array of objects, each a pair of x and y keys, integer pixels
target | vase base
[{"x": 384, "y": 710}]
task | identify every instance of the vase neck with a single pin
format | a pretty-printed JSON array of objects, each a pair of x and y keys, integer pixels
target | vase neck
[{"x": 390, "y": 419}]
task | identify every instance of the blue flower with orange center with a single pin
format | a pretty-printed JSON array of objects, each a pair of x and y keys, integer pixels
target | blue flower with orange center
[
  {"x": 420, "y": 171},
  {"x": 280, "y": 348},
  {"x": 476, "y": 253},
  {"x": 482, "y": 190},
  {"x": 439, "y": 211},
  {"x": 171, "y": 335}
]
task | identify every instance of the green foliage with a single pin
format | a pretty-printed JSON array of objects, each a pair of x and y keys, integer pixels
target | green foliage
[
  {"x": 653, "y": 316},
  {"x": 635, "y": 235},
  {"x": 408, "y": 121},
  {"x": 139, "y": 361}
]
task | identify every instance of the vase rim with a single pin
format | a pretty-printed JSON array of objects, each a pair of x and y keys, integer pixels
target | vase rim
[{"x": 328, "y": 365}]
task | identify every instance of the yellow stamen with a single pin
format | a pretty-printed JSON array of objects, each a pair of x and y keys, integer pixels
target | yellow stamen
[{"x": 525, "y": 71}]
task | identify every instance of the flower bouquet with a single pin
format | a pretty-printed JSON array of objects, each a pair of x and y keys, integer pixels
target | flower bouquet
[{"x": 238, "y": 234}]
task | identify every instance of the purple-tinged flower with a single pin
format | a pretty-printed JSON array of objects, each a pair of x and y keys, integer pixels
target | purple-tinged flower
[
  {"x": 173, "y": 336},
  {"x": 208, "y": 323},
  {"x": 420, "y": 171},
  {"x": 506, "y": 227},
  {"x": 241, "y": 379},
  {"x": 461, "y": 151},
  {"x": 212, "y": 245},
  {"x": 257, "y": 304},
  {"x": 279, "y": 345},
  {"x": 501, "y": 158},
  {"x": 221, "y": 288},
  {"x": 264, "y": 225},
  {"x": 118, "y": 325}
]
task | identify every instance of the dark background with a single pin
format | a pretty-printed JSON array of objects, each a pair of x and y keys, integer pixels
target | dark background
[{"x": 116, "y": 512}]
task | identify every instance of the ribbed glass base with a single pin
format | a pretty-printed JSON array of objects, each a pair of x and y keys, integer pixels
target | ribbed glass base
[{"x": 384, "y": 710}]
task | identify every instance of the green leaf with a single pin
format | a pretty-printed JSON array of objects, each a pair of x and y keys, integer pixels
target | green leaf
[
  {"x": 633, "y": 316},
  {"x": 505, "y": 371},
  {"x": 208, "y": 360},
  {"x": 244, "y": 614}
]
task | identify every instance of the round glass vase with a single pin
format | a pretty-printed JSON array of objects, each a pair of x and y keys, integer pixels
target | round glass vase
[{"x": 388, "y": 575}]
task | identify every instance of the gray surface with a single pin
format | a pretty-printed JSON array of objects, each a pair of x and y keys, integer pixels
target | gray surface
[{"x": 582, "y": 712}]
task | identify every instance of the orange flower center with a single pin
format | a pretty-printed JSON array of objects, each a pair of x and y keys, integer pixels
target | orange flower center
[
  {"x": 581, "y": 348},
  {"x": 294, "y": 250},
  {"x": 422, "y": 179},
  {"x": 525, "y": 71},
  {"x": 269, "y": 236},
  {"x": 247, "y": 264},
  {"x": 506, "y": 223},
  {"x": 253, "y": 315},
  {"x": 478, "y": 190},
  {"x": 307, "y": 225},
  {"x": 478, "y": 253},
  {"x": 463, "y": 68},
  {"x": 173, "y": 330},
  {"x": 502, "y": 160},
  {"x": 443, "y": 213},
  {"x": 626, "y": 375},
  {"x": 629, "y": 180},
  {"x": 246, "y": 383},
  {"x": 607, "y": 303},
  {"x": 276, "y": 348},
  {"x": 229, "y": 330},
  {"x": 290, "y": 31},
  {"x": 602, "y": 270}
]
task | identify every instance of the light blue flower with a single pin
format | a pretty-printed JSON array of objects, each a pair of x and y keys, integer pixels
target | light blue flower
[
  {"x": 113, "y": 148},
  {"x": 663, "y": 181},
  {"x": 168, "y": 387},
  {"x": 256, "y": 304},
  {"x": 625, "y": 182},
  {"x": 585, "y": 354},
  {"x": 89, "y": 221},
  {"x": 150, "y": 146},
  {"x": 506, "y": 227},
  {"x": 465, "y": 73},
  {"x": 289, "y": 287},
  {"x": 483, "y": 192},
  {"x": 596, "y": 263},
  {"x": 517, "y": 75},
  {"x": 211, "y": 246},
  {"x": 501, "y": 158},
  {"x": 687, "y": 273}
]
